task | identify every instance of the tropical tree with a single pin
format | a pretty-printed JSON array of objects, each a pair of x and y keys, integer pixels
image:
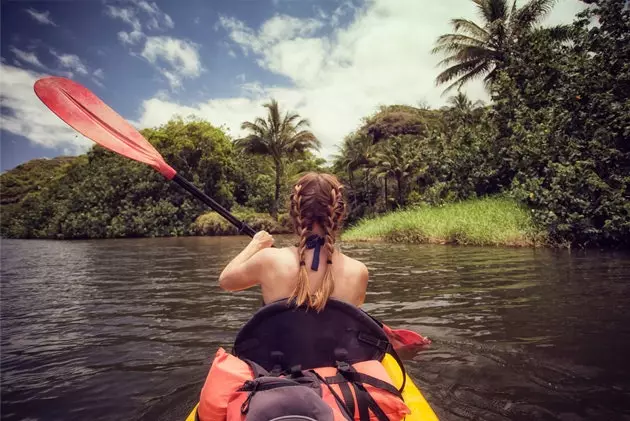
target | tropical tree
[
  {"x": 461, "y": 110},
  {"x": 398, "y": 157},
  {"x": 279, "y": 137},
  {"x": 480, "y": 50}
]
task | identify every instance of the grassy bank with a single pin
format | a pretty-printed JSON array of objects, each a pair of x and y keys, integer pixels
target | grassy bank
[
  {"x": 212, "y": 223},
  {"x": 482, "y": 222}
]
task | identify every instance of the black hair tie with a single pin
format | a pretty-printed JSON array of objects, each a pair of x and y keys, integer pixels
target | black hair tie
[{"x": 315, "y": 242}]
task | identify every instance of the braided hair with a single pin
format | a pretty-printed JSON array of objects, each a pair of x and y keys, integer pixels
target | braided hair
[{"x": 316, "y": 198}]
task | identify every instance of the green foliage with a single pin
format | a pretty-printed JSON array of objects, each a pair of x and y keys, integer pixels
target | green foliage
[
  {"x": 399, "y": 120},
  {"x": 563, "y": 112},
  {"x": 31, "y": 176},
  {"x": 481, "y": 222},
  {"x": 555, "y": 137},
  {"x": 104, "y": 195},
  {"x": 214, "y": 224}
]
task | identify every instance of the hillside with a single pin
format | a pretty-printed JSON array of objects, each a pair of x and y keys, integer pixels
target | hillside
[{"x": 30, "y": 176}]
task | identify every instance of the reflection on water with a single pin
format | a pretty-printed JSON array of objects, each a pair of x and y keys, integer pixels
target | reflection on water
[{"x": 126, "y": 329}]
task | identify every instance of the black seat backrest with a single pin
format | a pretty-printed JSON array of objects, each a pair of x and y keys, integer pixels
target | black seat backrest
[{"x": 285, "y": 335}]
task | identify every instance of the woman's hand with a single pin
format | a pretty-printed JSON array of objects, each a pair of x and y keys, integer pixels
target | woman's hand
[{"x": 262, "y": 240}]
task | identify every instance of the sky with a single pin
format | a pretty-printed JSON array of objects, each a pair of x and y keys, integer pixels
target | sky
[{"x": 332, "y": 61}]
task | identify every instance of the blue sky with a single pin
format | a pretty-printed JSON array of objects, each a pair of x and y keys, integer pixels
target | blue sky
[{"x": 332, "y": 61}]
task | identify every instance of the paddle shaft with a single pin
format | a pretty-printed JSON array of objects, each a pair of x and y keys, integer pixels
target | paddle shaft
[{"x": 192, "y": 189}]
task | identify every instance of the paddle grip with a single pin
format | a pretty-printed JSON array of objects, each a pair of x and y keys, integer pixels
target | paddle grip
[{"x": 192, "y": 189}]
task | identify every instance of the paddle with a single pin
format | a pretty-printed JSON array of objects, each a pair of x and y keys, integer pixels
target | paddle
[{"x": 89, "y": 115}]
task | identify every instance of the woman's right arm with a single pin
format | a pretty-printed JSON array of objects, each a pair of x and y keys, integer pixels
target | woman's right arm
[{"x": 241, "y": 273}]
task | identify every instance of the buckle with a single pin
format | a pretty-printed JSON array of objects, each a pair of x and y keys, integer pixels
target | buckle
[
  {"x": 343, "y": 366},
  {"x": 371, "y": 340}
]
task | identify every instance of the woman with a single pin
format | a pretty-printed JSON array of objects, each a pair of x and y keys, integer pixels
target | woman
[{"x": 313, "y": 271}]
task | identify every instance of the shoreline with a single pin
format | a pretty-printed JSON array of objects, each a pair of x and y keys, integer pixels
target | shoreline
[{"x": 490, "y": 221}]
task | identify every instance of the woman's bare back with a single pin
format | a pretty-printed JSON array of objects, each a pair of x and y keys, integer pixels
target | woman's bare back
[{"x": 280, "y": 279}]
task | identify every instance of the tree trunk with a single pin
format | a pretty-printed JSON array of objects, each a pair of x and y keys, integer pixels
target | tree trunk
[
  {"x": 366, "y": 181},
  {"x": 276, "y": 201},
  {"x": 386, "y": 204},
  {"x": 400, "y": 192}
]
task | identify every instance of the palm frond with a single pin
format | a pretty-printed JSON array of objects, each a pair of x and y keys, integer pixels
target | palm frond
[
  {"x": 457, "y": 70},
  {"x": 492, "y": 10},
  {"x": 454, "y": 42},
  {"x": 469, "y": 27},
  {"x": 473, "y": 73},
  {"x": 532, "y": 12},
  {"x": 468, "y": 54},
  {"x": 559, "y": 33}
]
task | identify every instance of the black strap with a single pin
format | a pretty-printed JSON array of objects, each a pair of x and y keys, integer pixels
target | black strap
[
  {"x": 362, "y": 402},
  {"x": 340, "y": 403},
  {"x": 347, "y": 397},
  {"x": 356, "y": 377},
  {"x": 380, "y": 344},
  {"x": 402, "y": 368},
  {"x": 376, "y": 410}
]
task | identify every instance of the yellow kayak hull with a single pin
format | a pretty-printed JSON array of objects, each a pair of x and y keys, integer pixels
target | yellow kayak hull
[{"x": 420, "y": 408}]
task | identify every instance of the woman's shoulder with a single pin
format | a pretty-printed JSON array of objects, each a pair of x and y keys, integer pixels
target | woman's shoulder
[
  {"x": 276, "y": 255},
  {"x": 354, "y": 267}
]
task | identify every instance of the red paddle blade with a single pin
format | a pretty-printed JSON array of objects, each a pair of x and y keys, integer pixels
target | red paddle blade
[
  {"x": 401, "y": 338},
  {"x": 90, "y": 116}
]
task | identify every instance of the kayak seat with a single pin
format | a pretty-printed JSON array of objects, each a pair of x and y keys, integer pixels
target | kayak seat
[{"x": 281, "y": 336}]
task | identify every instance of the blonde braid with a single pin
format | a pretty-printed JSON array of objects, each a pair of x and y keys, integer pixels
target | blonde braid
[
  {"x": 301, "y": 293},
  {"x": 328, "y": 283}
]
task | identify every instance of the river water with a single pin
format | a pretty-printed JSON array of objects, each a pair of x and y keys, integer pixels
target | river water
[{"x": 126, "y": 329}]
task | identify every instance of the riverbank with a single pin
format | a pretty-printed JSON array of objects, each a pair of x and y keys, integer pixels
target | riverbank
[
  {"x": 211, "y": 223},
  {"x": 479, "y": 222}
]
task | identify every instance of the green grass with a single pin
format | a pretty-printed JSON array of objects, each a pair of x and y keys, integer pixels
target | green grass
[{"x": 482, "y": 222}]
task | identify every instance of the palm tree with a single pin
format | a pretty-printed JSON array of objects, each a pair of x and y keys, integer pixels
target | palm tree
[
  {"x": 280, "y": 137},
  {"x": 398, "y": 157},
  {"x": 462, "y": 110},
  {"x": 355, "y": 153},
  {"x": 480, "y": 50}
]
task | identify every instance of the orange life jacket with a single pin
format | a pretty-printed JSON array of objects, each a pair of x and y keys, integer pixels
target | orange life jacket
[{"x": 221, "y": 399}]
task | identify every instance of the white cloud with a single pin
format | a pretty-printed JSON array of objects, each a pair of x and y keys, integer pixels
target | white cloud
[
  {"x": 382, "y": 56},
  {"x": 345, "y": 8},
  {"x": 125, "y": 14},
  {"x": 27, "y": 116},
  {"x": 277, "y": 28},
  {"x": 27, "y": 57},
  {"x": 155, "y": 19},
  {"x": 71, "y": 61},
  {"x": 130, "y": 37},
  {"x": 181, "y": 58},
  {"x": 283, "y": 26},
  {"x": 41, "y": 17},
  {"x": 97, "y": 77}
]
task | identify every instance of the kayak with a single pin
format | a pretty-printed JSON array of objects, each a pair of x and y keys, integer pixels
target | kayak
[
  {"x": 420, "y": 408},
  {"x": 349, "y": 346}
]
